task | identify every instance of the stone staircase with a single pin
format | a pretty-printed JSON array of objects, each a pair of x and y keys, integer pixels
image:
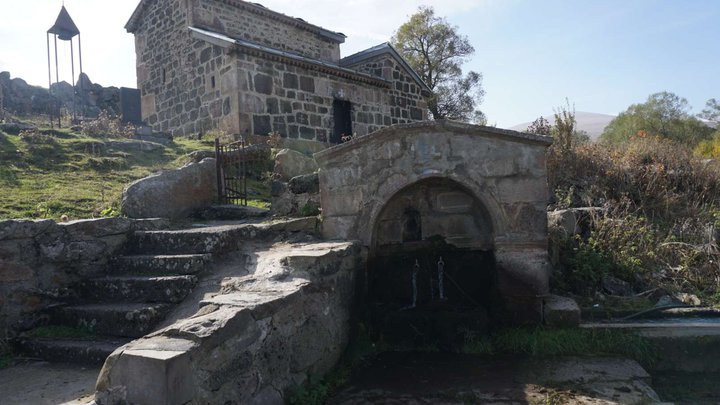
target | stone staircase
[{"x": 137, "y": 291}]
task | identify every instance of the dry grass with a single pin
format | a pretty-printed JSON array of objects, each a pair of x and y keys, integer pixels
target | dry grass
[{"x": 662, "y": 206}]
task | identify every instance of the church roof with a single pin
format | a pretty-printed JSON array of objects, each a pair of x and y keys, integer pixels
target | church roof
[
  {"x": 255, "y": 8},
  {"x": 225, "y": 41},
  {"x": 383, "y": 49}
]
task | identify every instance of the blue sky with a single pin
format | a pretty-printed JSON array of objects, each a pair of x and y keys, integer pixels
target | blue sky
[{"x": 601, "y": 55}]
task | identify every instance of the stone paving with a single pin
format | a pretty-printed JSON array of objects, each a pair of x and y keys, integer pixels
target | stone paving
[{"x": 43, "y": 383}]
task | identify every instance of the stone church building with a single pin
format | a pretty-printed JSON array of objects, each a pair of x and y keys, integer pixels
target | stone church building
[{"x": 244, "y": 69}]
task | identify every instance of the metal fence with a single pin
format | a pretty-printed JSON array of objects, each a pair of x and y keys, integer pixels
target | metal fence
[{"x": 231, "y": 162}]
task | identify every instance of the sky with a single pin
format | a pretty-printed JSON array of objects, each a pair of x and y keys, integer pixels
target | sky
[{"x": 602, "y": 56}]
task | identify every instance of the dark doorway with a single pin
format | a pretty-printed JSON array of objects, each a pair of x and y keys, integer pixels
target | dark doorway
[{"x": 342, "y": 114}]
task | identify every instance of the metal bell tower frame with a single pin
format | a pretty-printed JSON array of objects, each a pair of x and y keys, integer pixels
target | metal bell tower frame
[{"x": 65, "y": 30}]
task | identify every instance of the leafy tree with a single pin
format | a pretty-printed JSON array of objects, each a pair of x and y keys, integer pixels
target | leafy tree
[
  {"x": 564, "y": 130},
  {"x": 437, "y": 51},
  {"x": 711, "y": 111},
  {"x": 540, "y": 126},
  {"x": 711, "y": 147},
  {"x": 663, "y": 114}
]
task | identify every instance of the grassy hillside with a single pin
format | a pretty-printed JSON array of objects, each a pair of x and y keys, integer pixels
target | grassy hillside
[{"x": 49, "y": 173}]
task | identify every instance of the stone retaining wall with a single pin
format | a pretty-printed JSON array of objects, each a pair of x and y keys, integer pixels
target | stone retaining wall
[
  {"x": 40, "y": 259},
  {"x": 250, "y": 342}
]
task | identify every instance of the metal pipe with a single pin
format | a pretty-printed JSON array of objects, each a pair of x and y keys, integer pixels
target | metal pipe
[
  {"x": 82, "y": 113},
  {"x": 441, "y": 276},
  {"x": 49, "y": 80},
  {"x": 416, "y": 270},
  {"x": 57, "y": 78},
  {"x": 80, "y": 55},
  {"x": 72, "y": 73}
]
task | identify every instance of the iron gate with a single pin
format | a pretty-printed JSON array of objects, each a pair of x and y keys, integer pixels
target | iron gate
[{"x": 231, "y": 163}]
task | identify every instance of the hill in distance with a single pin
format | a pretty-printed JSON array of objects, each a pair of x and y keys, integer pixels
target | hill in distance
[{"x": 592, "y": 123}]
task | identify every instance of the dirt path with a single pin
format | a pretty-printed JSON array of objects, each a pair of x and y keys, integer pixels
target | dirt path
[{"x": 42, "y": 383}]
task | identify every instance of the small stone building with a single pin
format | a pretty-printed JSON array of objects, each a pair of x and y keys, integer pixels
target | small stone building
[
  {"x": 244, "y": 69},
  {"x": 473, "y": 196}
]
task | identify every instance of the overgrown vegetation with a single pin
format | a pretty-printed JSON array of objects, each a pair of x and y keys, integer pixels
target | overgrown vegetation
[
  {"x": 6, "y": 354},
  {"x": 60, "y": 331},
  {"x": 105, "y": 126},
  {"x": 656, "y": 229},
  {"x": 547, "y": 342}
]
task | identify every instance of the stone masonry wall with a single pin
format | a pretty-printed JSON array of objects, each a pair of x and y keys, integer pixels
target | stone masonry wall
[
  {"x": 405, "y": 95},
  {"x": 503, "y": 170},
  {"x": 298, "y": 102},
  {"x": 189, "y": 86},
  {"x": 40, "y": 259},
  {"x": 179, "y": 78},
  {"x": 241, "y": 22}
]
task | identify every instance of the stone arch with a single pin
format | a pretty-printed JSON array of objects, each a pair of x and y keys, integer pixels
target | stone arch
[
  {"x": 443, "y": 200},
  {"x": 503, "y": 171},
  {"x": 491, "y": 210}
]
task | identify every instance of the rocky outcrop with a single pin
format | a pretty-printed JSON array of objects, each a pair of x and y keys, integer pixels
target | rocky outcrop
[
  {"x": 20, "y": 98},
  {"x": 573, "y": 221},
  {"x": 289, "y": 163},
  {"x": 172, "y": 194},
  {"x": 299, "y": 197}
]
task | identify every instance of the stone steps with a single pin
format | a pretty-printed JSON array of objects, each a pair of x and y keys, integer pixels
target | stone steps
[
  {"x": 116, "y": 319},
  {"x": 68, "y": 350},
  {"x": 136, "y": 289},
  {"x": 178, "y": 242},
  {"x": 157, "y": 270},
  {"x": 215, "y": 239},
  {"x": 135, "y": 295},
  {"x": 161, "y": 264}
]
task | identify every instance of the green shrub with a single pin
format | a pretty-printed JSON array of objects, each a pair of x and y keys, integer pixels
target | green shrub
[{"x": 547, "y": 342}]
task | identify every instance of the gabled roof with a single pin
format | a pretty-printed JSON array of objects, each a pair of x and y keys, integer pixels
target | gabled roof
[
  {"x": 64, "y": 26},
  {"x": 382, "y": 49},
  {"x": 225, "y": 41},
  {"x": 255, "y": 8}
]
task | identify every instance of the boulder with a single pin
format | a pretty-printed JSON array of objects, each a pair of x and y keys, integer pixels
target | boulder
[
  {"x": 306, "y": 183},
  {"x": 172, "y": 194},
  {"x": 572, "y": 221},
  {"x": 289, "y": 163},
  {"x": 615, "y": 286}
]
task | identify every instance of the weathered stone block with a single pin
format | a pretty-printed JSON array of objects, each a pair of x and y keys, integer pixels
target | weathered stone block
[
  {"x": 290, "y": 163},
  {"x": 155, "y": 376},
  {"x": 290, "y": 81},
  {"x": 13, "y": 272},
  {"x": 263, "y": 84},
  {"x": 307, "y": 83},
  {"x": 24, "y": 228},
  {"x": 306, "y": 183},
  {"x": 261, "y": 124},
  {"x": 561, "y": 311}
]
